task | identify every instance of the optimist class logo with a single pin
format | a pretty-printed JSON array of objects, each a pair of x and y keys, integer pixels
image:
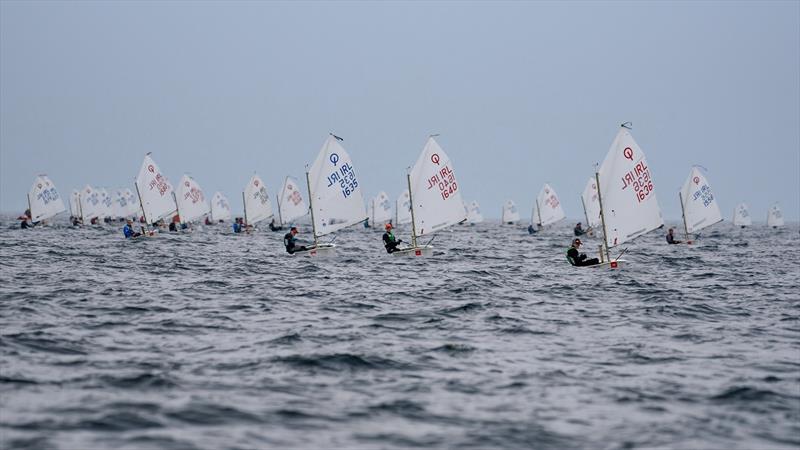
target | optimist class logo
[
  {"x": 151, "y": 169},
  {"x": 186, "y": 183},
  {"x": 334, "y": 158},
  {"x": 435, "y": 158},
  {"x": 255, "y": 182},
  {"x": 696, "y": 180},
  {"x": 628, "y": 153}
]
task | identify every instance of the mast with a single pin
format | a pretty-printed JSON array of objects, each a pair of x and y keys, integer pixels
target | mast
[
  {"x": 177, "y": 208},
  {"x": 80, "y": 206},
  {"x": 585, "y": 215},
  {"x": 311, "y": 208},
  {"x": 602, "y": 215},
  {"x": 539, "y": 213},
  {"x": 244, "y": 204},
  {"x": 30, "y": 211},
  {"x": 683, "y": 216},
  {"x": 411, "y": 204},
  {"x": 141, "y": 203}
]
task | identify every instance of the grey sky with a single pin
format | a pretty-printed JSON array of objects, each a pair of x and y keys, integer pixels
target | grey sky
[{"x": 522, "y": 94}]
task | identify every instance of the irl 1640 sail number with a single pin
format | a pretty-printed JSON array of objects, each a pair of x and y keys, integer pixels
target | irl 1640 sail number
[
  {"x": 345, "y": 177},
  {"x": 445, "y": 180}
]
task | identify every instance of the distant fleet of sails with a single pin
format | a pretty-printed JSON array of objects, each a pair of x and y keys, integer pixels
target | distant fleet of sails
[{"x": 624, "y": 207}]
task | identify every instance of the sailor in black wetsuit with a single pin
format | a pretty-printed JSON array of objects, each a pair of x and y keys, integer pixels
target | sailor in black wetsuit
[
  {"x": 273, "y": 227},
  {"x": 579, "y": 259},
  {"x": 290, "y": 241},
  {"x": 389, "y": 240},
  {"x": 671, "y": 238},
  {"x": 579, "y": 231}
]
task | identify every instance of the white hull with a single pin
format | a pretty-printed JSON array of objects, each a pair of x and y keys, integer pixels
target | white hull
[
  {"x": 616, "y": 264},
  {"x": 425, "y": 250},
  {"x": 321, "y": 250}
]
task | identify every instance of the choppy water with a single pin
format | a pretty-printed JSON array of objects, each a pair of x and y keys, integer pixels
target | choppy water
[{"x": 210, "y": 340}]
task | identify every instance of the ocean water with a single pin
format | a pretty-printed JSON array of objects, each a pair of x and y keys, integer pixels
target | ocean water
[{"x": 213, "y": 340}]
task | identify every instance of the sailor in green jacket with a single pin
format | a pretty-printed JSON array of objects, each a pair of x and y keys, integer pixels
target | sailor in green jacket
[
  {"x": 579, "y": 259},
  {"x": 389, "y": 240}
]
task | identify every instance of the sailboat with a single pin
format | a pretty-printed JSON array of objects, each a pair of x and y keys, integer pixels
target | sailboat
[
  {"x": 334, "y": 195},
  {"x": 627, "y": 197},
  {"x": 741, "y": 216},
  {"x": 291, "y": 204},
  {"x": 132, "y": 205},
  {"x": 591, "y": 207},
  {"x": 44, "y": 200},
  {"x": 120, "y": 204},
  {"x": 155, "y": 192},
  {"x": 435, "y": 199},
  {"x": 190, "y": 201},
  {"x": 381, "y": 209},
  {"x": 257, "y": 206},
  {"x": 699, "y": 207},
  {"x": 220, "y": 208},
  {"x": 89, "y": 204},
  {"x": 510, "y": 214},
  {"x": 548, "y": 207},
  {"x": 474, "y": 213},
  {"x": 775, "y": 216},
  {"x": 75, "y": 203},
  {"x": 402, "y": 210},
  {"x": 107, "y": 205}
]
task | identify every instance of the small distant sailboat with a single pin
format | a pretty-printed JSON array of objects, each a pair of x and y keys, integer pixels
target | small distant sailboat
[
  {"x": 44, "y": 201},
  {"x": 435, "y": 198},
  {"x": 257, "y": 206},
  {"x": 75, "y": 203},
  {"x": 132, "y": 204},
  {"x": 741, "y": 216},
  {"x": 291, "y": 204},
  {"x": 591, "y": 206},
  {"x": 334, "y": 195},
  {"x": 89, "y": 204},
  {"x": 220, "y": 208},
  {"x": 626, "y": 194},
  {"x": 190, "y": 201},
  {"x": 402, "y": 209},
  {"x": 120, "y": 203},
  {"x": 381, "y": 209},
  {"x": 775, "y": 216},
  {"x": 699, "y": 207},
  {"x": 474, "y": 213},
  {"x": 155, "y": 192},
  {"x": 510, "y": 214},
  {"x": 107, "y": 205},
  {"x": 548, "y": 207}
]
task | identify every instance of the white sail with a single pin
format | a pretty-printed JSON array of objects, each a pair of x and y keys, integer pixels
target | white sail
[
  {"x": 627, "y": 192},
  {"x": 700, "y": 208},
  {"x": 192, "y": 204},
  {"x": 775, "y": 216},
  {"x": 590, "y": 204},
  {"x": 44, "y": 199},
  {"x": 337, "y": 200},
  {"x": 257, "y": 205},
  {"x": 291, "y": 204},
  {"x": 107, "y": 204},
  {"x": 132, "y": 204},
  {"x": 550, "y": 210},
  {"x": 381, "y": 209},
  {"x": 741, "y": 216},
  {"x": 403, "y": 208},
  {"x": 75, "y": 203},
  {"x": 89, "y": 204},
  {"x": 474, "y": 213},
  {"x": 434, "y": 191},
  {"x": 155, "y": 192},
  {"x": 120, "y": 203},
  {"x": 220, "y": 208},
  {"x": 510, "y": 212}
]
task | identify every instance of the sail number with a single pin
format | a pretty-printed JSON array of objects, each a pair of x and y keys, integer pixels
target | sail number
[
  {"x": 345, "y": 177},
  {"x": 639, "y": 179},
  {"x": 48, "y": 195},
  {"x": 445, "y": 180},
  {"x": 159, "y": 183},
  {"x": 705, "y": 194}
]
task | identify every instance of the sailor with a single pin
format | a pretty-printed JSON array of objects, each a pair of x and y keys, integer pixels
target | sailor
[
  {"x": 389, "y": 240},
  {"x": 290, "y": 241},
  {"x": 579, "y": 259},
  {"x": 238, "y": 225},
  {"x": 579, "y": 231},
  {"x": 127, "y": 230},
  {"x": 531, "y": 229},
  {"x": 24, "y": 222},
  {"x": 671, "y": 237},
  {"x": 274, "y": 227},
  {"x": 366, "y": 223},
  {"x": 208, "y": 221}
]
